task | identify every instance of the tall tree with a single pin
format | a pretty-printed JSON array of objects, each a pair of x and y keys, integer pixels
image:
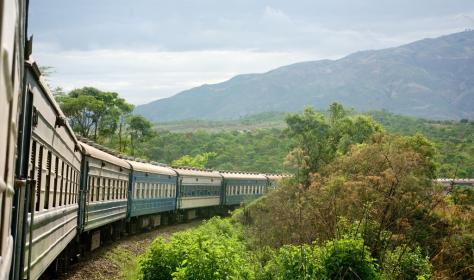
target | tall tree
[
  {"x": 316, "y": 141},
  {"x": 140, "y": 129},
  {"x": 92, "y": 112}
]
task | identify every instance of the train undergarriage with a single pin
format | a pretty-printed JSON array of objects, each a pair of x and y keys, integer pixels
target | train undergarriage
[{"x": 61, "y": 196}]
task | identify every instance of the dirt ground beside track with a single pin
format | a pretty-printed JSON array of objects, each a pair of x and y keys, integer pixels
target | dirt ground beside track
[{"x": 108, "y": 261}]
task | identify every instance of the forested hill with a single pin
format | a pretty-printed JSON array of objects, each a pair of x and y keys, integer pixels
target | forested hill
[{"x": 431, "y": 78}]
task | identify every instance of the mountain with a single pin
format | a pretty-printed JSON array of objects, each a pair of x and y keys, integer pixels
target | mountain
[{"x": 430, "y": 78}]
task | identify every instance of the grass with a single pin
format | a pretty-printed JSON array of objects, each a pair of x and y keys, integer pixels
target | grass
[{"x": 126, "y": 260}]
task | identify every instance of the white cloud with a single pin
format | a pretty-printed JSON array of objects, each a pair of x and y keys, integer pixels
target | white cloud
[
  {"x": 151, "y": 50},
  {"x": 143, "y": 76}
]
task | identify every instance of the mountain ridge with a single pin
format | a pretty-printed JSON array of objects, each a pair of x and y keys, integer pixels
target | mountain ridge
[{"x": 430, "y": 78}]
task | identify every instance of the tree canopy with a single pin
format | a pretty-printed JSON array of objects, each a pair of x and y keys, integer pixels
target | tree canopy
[{"x": 93, "y": 113}]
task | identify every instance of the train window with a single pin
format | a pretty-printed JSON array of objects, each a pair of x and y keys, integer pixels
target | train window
[
  {"x": 47, "y": 181},
  {"x": 39, "y": 178},
  {"x": 120, "y": 195},
  {"x": 148, "y": 190},
  {"x": 142, "y": 190},
  {"x": 122, "y": 187},
  {"x": 125, "y": 186},
  {"x": 73, "y": 184},
  {"x": 109, "y": 189},
  {"x": 55, "y": 191},
  {"x": 66, "y": 184},
  {"x": 139, "y": 190},
  {"x": 89, "y": 188},
  {"x": 70, "y": 180},
  {"x": 65, "y": 178},
  {"x": 93, "y": 184},
  {"x": 33, "y": 166},
  {"x": 116, "y": 189},
  {"x": 97, "y": 188},
  {"x": 125, "y": 189},
  {"x": 76, "y": 184},
  {"x": 119, "y": 189},
  {"x": 60, "y": 174},
  {"x": 102, "y": 189}
]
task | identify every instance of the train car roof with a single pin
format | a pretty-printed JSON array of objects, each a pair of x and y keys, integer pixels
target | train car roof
[
  {"x": 98, "y": 154},
  {"x": 150, "y": 168},
  {"x": 243, "y": 175},
  {"x": 33, "y": 67},
  {"x": 196, "y": 172},
  {"x": 277, "y": 176}
]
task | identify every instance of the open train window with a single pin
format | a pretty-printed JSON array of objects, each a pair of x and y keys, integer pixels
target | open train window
[
  {"x": 48, "y": 181},
  {"x": 55, "y": 189},
  {"x": 39, "y": 178}
]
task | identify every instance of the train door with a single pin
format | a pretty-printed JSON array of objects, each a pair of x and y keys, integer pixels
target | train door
[
  {"x": 12, "y": 31},
  {"x": 24, "y": 189}
]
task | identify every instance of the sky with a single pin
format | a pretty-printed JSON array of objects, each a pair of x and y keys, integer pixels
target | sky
[{"x": 152, "y": 49}]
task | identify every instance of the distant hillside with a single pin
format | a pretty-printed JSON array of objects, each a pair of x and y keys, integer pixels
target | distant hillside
[{"x": 431, "y": 78}]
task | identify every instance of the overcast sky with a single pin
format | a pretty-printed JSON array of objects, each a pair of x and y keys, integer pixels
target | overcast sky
[{"x": 151, "y": 49}]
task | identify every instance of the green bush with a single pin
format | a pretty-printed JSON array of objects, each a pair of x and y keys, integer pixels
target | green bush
[
  {"x": 347, "y": 259},
  {"x": 292, "y": 262},
  {"x": 405, "y": 263},
  {"x": 214, "y": 250}
]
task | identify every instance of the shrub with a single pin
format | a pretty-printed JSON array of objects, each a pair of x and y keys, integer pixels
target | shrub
[
  {"x": 292, "y": 262},
  {"x": 214, "y": 250},
  {"x": 406, "y": 263},
  {"x": 347, "y": 259}
]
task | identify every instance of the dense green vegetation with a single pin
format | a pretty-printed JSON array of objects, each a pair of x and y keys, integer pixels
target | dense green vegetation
[
  {"x": 262, "y": 138},
  {"x": 253, "y": 143},
  {"x": 361, "y": 205}
]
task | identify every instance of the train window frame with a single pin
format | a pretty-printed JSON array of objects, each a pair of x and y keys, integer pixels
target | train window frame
[
  {"x": 55, "y": 189},
  {"x": 47, "y": 185},
  {"x": 39, "y": 178}
]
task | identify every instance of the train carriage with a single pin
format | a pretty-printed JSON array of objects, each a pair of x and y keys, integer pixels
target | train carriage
[
  {"x": 152, "y": 191},
  {"x": 54, "y": 170},
  {"x": 104, "y": 189},
  {"x": 198, "y": 189},
  {"x": 240, "y": 187},
  {"x": 12, "y": 31}
]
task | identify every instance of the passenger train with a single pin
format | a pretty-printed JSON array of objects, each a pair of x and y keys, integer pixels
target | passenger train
[{"x": 61, "y": 196}]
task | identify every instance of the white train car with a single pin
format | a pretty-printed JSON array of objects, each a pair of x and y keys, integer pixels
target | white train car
[
  {"x": 54, "y": 168},
  {"x": 198, "y": 189},
  {"x": 240, "y": 187}
]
